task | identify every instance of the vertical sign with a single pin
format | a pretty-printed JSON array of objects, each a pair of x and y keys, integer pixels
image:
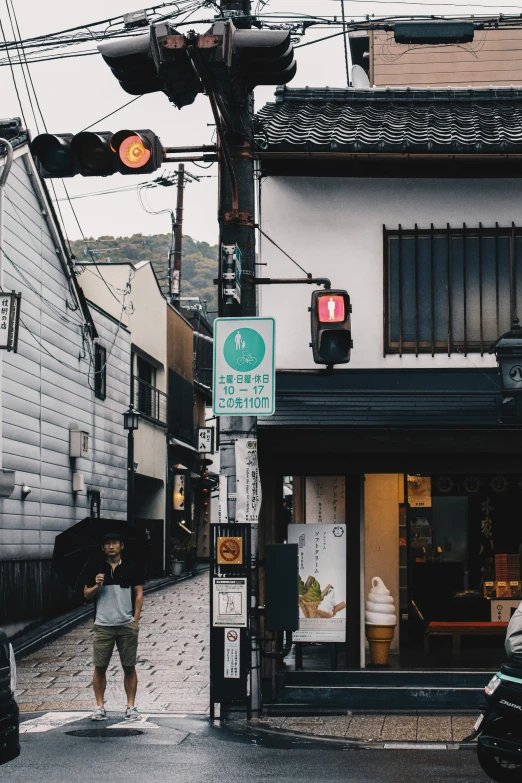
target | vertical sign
[
  {"x": 9, "y": 321},
  {"x": 231, "y": 654},
  {"x": 248, "y": 485},
  {"x": 206, "y": 440},
  {"x": 222, "y": 515},
  {"x": 322, "y": 582},
  {"x": 178, "y": 495},
  {"x": 325, "y": 499},
  {"x": 244, "y": 367},
  {"x": 229, "y": 603}
]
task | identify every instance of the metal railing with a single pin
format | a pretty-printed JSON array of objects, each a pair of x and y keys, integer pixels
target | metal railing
[{"x": 152, "y": 403}]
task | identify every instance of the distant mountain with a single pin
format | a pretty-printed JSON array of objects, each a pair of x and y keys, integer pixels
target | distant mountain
[{"x": 198, "y": 266}]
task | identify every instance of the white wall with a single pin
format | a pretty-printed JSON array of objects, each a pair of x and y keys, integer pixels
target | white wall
[{"x": 333, "y": 228}]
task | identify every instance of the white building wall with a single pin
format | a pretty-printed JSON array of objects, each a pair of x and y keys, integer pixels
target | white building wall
[
  {"x": 334, "y": 228},
  {"x": 47, "y": 388}
]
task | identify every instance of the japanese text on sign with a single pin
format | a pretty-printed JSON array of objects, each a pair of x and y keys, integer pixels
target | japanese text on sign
[
  {"x": 244, "y": 370},
  {"x": 232, "y": 642},
  {"x": 325, "y": 499}
]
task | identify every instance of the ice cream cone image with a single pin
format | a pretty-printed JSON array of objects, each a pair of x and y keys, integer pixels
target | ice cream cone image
[{"x": 380, "y": 621}]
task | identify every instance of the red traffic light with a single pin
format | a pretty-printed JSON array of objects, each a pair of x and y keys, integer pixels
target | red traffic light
[
  {"x": 133, "y": 149},
  {"x": 331, "y": 308}
]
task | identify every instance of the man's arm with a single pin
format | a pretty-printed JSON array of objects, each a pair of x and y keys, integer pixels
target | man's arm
[
  {"x": 91, "y": 592},
  {"x": 138, "y": 601}
]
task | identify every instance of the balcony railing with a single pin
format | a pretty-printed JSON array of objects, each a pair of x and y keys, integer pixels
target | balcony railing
[{"x": 150, "y": 402}]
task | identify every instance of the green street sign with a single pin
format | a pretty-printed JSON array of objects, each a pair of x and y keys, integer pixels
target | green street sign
[{"x": 244, "y": 367}]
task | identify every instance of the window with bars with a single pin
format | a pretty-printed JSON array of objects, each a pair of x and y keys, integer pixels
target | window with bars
[{"x": 451, "y": 290}]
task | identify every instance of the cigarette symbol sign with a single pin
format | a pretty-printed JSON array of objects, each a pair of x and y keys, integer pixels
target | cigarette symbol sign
[
  {"x": 232, "y": 635},
  {"x": 230, "y": 550}
]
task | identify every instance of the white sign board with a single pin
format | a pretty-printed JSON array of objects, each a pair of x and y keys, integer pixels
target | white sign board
[
  {"x": 325, "y": 499},
  {"x": 205, "y": 440},
  {"x": 231, "y": 654},
  {"x": 230, "y": 603},
  {"x": 502, "y": 609},
  {"x": 244, "y": 367},
  {"x": 248, "y": 485},
  {"x": 322, "y": 582},
  {"x": 9, "y": 320}
]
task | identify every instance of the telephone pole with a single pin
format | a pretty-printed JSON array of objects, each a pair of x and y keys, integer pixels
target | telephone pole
[
  {"x": 236, "y": 208},
  {"x": 178, "y": 238}
]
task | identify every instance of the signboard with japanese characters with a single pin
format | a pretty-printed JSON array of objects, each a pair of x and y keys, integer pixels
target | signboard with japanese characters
[
  {"x": 325, "y": 499},
  {"x": 244, "y": 368},
  {"x": 322, "y": 581},
  {"x": 206, "y": 440},
  {"x": 248, "y": 484},
  {"x": 229, "y": 603},
  {"x": 232, "y": 662},
  {"x": 9, "y": 320}
]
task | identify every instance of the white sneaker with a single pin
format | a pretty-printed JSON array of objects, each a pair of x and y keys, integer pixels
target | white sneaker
[
  {"x": 131, "y": 713},
  {"x": 99, "y": 714}
]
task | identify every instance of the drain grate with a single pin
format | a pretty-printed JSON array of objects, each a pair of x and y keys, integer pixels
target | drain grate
[{"x": 90, "y": 733}]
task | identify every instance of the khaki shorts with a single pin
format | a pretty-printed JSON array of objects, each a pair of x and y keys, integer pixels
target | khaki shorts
[{"x": 124, "y": 636}]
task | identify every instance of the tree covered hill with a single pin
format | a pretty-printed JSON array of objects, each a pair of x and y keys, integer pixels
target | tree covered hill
[{"x": 198, "y": 267}]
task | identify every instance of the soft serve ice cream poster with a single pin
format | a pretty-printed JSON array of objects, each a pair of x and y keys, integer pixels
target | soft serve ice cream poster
[{"x": 322, "y": 582}]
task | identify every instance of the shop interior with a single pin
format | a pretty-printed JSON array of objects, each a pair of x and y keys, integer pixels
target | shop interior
[{"x": 447, "y": 549}]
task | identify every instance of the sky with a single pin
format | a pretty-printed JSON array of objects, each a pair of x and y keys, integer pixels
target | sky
[{"x": 73, "y": 93}]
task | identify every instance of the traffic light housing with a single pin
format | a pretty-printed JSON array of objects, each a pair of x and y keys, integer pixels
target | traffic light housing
[
  {"x": 331, "y": 327},
  {"x": 97, "y": 154}
]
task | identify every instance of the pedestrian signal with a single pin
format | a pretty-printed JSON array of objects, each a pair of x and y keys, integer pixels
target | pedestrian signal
[
  {"x": 331, "y": 327},
  {"x": 97, "y": 154}
]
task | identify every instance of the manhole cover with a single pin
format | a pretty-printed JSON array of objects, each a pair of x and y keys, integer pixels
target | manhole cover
[{"x": 104, "y": 733}]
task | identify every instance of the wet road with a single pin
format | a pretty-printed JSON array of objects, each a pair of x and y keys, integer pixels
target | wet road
[{"x": 184, "y": 750}]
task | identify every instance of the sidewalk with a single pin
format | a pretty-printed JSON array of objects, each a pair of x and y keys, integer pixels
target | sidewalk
[
  {"x": 173, "y": 669},
  {"x": 379, "y": 728}
]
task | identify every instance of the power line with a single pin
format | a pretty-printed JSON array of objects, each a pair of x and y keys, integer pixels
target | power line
[
  {"x": 14, "y": 79},
  {"x": 112, "y": 112}
]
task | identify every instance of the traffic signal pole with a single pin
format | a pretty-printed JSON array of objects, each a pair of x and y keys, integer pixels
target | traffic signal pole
[{"x": 236, "y": 223}]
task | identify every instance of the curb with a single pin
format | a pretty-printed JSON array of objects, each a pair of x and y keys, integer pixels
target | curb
[
  {"x": 369, "y": 744},
  {"x": 31, "y": 641}
]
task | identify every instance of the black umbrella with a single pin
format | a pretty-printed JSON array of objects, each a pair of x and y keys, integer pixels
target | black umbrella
[{"x": 77, "y": 551}]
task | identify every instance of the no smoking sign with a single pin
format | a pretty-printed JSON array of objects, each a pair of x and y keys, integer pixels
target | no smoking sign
[{"x": 230, "y": 550}]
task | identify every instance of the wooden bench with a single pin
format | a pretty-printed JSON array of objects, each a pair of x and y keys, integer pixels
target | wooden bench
[{"x": 456, "y": 630}]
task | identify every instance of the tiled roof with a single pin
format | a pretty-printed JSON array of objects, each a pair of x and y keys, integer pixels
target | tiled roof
[
  {"x": 11, "y": 129},
  {"x": 472, "y": 121}
]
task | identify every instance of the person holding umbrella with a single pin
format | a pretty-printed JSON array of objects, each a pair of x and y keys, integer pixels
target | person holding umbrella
[{"x": 116, "y": 586}]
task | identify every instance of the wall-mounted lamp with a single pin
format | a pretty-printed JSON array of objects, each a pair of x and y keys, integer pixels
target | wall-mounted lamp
[
  {"x": 25, "y": 491},
  {"x": 184, "y": 527}
]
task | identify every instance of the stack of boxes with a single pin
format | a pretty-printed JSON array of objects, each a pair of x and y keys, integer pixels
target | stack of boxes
[{"x": 507, "y": 578}]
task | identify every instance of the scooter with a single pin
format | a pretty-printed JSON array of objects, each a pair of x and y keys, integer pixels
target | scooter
[{"x": 499, "y": 727}]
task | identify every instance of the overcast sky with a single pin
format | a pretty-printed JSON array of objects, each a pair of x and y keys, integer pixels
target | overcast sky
[{"x": 73, "y": 93}]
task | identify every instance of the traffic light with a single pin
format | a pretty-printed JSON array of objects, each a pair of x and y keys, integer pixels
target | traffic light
[
  {"x": 97, "y": 154},
  {"x": 331, "y": 327},
  {"x": 161, "y": 60},
  {"x": 156, "y": 61}
]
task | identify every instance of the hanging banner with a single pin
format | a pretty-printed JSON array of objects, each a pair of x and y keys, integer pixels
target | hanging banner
[
  {"x": 222, "y": 515},
  {"x": 9, "y": 321},
  {"x": 232, "y": 642},
  {"x": 325, "y": 500},
  {"x": 322, "y": 582},
  {"x": 248, "y": 485}
]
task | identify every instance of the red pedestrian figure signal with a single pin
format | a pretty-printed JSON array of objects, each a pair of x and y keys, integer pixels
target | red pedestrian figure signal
[
  {"x": 331, "y": 327},
  {"x": 331, "y": 308}
]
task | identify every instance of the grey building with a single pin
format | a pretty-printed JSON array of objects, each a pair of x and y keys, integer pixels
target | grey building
[{"x": 71, "y": 373}]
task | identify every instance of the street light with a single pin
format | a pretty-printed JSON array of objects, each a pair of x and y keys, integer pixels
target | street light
[
  {"x": 131, "y": 422},
  {"x": 508, "y": 352}
]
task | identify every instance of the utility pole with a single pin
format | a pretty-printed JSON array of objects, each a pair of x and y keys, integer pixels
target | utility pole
[
  {"x": 236, "y": 222},
  {"x": 178, "y": 238},
  {"x": 3, "y": 179}
]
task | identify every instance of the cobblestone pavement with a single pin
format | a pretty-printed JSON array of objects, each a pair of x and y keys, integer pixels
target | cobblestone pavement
[
  {"x": 173, "y": 669},
  {"x": 381, "y": 728}
]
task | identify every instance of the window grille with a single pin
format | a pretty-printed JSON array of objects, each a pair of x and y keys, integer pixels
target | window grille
[{"x": 453, "y": 290}]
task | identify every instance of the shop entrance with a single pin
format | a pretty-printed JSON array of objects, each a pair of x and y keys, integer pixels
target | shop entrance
[
  {"x": 445, "y": 546},
  {"x": 459, "y": 539}
]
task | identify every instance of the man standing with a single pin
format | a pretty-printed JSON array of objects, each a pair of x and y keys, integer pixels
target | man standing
[{"x": 117, "y": 589}]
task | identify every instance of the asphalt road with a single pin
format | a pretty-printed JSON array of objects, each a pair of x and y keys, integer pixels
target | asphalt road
[{"x": 189, "y": 750}]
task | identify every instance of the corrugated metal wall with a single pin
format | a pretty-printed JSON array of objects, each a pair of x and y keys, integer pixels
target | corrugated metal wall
[{"x": 47, "y": 390}]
